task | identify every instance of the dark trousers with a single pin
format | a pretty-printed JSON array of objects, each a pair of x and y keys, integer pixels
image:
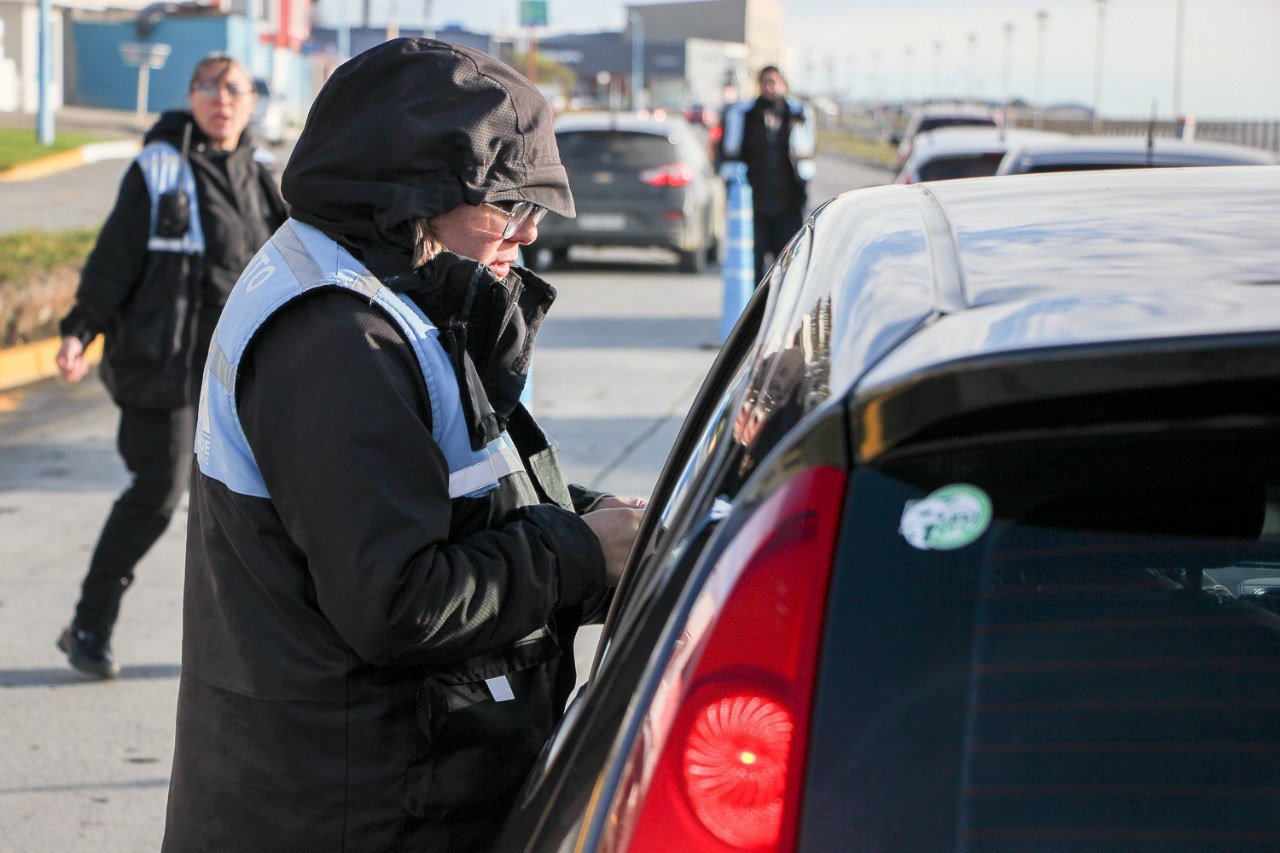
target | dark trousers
[
  {"x": 772, "y": 232},
  {"x": 157, "y": 448}
]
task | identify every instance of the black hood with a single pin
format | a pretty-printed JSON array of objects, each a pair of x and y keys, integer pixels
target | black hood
[{"x": 413, "y": 128}]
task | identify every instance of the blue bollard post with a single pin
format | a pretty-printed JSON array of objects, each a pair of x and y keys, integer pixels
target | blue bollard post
[{"x": 739, "y": 270}]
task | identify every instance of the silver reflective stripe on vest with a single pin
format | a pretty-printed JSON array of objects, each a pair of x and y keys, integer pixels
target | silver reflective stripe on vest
[
  {"x": 486, "y": 473},
  {"x": 220, "y": 366},
  {"x": 296, "y": 257}
]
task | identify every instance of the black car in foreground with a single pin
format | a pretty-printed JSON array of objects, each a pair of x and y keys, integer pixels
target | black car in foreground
[
  {"x": 636, "y": 181},
  {"x": 971, "y": 541}
]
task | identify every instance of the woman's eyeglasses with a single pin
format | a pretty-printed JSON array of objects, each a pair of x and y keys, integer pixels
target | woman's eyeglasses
[
  {"x": 518, "y": 213},
  {"x": 213, "y": 90}
]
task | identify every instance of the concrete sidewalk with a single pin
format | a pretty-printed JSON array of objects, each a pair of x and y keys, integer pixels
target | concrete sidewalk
[{"x": 85, "y": 764}]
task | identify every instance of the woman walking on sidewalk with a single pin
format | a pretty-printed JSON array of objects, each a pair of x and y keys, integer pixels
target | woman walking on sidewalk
[{"x": 191, "y": 212}]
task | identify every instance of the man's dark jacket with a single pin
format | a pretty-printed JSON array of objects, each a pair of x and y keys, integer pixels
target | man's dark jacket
[
  {"x": 776, "y": 186},
  {"x": 158, "y": 309}
]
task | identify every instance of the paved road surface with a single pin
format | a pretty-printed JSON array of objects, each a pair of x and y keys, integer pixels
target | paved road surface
[{"x": 85, "y": 765}]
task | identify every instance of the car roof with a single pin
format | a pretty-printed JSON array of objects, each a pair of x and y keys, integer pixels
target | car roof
[
  {"x": 626, "y": 122},
  {"x": 971, "y": 140},
  {"x": 1133, "y": 150},
  {"x": 958, "y": 269},
  {"x": 955, "y": 111}
]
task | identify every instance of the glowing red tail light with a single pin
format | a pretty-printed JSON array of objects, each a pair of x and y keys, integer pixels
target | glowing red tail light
[
  {"x": 671, "y": 175},
  {"x": 719, "y": 761}
]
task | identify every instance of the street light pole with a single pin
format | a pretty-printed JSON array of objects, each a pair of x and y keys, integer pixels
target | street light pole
[
  {"x": 1097, "y": 67},
  {"x": 1008, "y": 62},
  {"x": 1177, "y": 59},
  {"x": 1042, "y": 21},
  {"x": 972, "y": 84},
  {"x": 937, "y": 69},
  {"x": 906, "y": 74},
  {"x": 637, "y": 60},
  {"x": 44, "y": 121}
]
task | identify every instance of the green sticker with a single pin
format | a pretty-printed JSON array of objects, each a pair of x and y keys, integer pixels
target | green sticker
[{"x": 950, "y": 518}]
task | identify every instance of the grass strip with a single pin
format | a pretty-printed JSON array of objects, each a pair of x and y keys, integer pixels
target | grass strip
[
  {"x": 877, "y": 152},
  {"x": 19, "y": 145}
]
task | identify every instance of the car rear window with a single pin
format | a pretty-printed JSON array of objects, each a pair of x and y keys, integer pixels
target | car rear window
[
  {"x": 928, "y": 124},
  {"x": 1044, "y": 168},
  {"x": 961, "y": 166},
  {"x": 1078, "y": 634},
  {"x": 614, "y": 149}
]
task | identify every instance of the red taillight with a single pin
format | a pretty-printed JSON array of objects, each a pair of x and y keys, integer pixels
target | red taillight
[
  {"x": 719, "y": 760},
  {"x": 670, "y": 175},
  {"x": 735, "y": 768}
]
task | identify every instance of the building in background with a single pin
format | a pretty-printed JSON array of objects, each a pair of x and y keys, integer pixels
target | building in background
[
  {"x": 754, "y": 23},
  {"x": 92, "y": 40}
]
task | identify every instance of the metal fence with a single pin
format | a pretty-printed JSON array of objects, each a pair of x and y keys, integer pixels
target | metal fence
[
  {"x": 880, "y": 124},
  {"x": 1256, "y": 134}
]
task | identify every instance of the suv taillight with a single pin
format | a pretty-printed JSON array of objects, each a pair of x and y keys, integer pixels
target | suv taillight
[
  {"x": 671, "y": 175},
  {"x": 719, "y": 759}
]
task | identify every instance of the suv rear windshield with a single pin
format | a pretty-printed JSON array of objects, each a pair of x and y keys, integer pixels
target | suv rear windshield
[
  {"x": 961, "y": 166},
  {"x": 927, "y": 124},
  {"x": 608, "y": 149}
]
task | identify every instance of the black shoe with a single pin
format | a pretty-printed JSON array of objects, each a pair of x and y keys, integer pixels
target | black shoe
[{"x": 89, "y": 652}]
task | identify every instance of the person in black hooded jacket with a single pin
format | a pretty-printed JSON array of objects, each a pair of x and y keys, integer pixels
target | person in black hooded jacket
[
  {"x": 385, "y": 567},
  {"x": 155, "y": 282}
]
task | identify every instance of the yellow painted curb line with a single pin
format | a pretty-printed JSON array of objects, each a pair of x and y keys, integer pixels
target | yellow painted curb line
[
  {"x": 94, "y": 152},
  {"x": 22, "y": 365},
  {"x": 44, "y": 166}
]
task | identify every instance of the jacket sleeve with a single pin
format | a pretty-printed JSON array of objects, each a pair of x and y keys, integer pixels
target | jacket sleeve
[
  {"x": 335, "y": 411},
  {"x": 115, "y": 265}
]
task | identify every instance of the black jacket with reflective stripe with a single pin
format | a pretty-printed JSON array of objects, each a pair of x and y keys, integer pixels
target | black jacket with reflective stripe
[{"x": 339, "y": 638}]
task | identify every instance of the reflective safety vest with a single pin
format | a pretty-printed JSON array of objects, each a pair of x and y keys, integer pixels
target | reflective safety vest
[
  {"x": 802, "y": 139},
  {"x": 164, "y": 171},
  {"x": 295, "y": 260}
]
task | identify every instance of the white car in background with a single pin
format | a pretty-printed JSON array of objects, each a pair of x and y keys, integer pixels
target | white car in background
[
  {"x": 935, "y": 116},
  {"x": 963, "y": 152},
  {"x": 267, "y": 121}
]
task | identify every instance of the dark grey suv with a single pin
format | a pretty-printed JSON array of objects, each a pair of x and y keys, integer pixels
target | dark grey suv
[
  {"x": 971, "y": 541},
  {"x": 636, "y": 181}
]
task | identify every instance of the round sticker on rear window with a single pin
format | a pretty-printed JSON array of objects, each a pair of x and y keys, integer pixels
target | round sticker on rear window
[{"x": 950, "y": 518}]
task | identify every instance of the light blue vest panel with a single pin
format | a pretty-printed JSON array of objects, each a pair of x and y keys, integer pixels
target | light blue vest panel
[
  {"x": 163, "y": 170},
  {"x": 296, "y": 259}
]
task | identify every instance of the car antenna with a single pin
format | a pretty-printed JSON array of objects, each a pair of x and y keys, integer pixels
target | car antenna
[{"x": 1151, "y": 133}]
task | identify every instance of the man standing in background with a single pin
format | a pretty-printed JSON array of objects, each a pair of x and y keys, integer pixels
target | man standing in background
[{"x": 774, "y": 137}]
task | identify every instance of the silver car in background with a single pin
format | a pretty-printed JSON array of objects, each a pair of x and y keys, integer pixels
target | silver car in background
[{"x": 636, "y": 181}]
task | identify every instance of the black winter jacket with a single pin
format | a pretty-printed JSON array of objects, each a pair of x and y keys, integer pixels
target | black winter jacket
[
  {"x": 338, "y": 636},
  {"x": 158, "y": 309}
]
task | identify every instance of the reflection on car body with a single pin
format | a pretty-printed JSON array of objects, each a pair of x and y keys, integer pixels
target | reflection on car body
[{"x": 987, "y": 482}]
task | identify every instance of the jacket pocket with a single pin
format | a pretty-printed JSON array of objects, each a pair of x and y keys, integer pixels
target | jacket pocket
[{"x": 485, "y": 722}]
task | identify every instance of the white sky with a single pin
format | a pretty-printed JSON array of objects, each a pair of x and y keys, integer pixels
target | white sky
[{"x": 1231, "y": 56}]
